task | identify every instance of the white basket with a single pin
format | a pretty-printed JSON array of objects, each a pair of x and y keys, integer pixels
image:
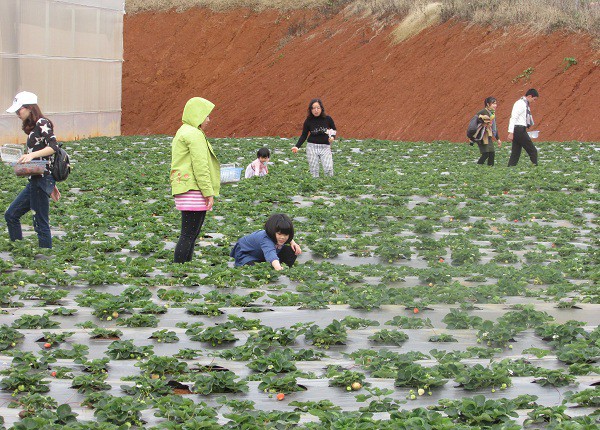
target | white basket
[
  {"x": 534, "y": 134},
  {"x": 230, "y": 173},
  {"x": 11, "y": 153}
]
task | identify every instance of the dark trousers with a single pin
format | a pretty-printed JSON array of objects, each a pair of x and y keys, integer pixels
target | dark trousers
[
  {"x": 522, "y": 140},
  {"x": 489, "y": 156},
  {"x": 191, "y": 223},
  {"x": 35, "y": 197}
]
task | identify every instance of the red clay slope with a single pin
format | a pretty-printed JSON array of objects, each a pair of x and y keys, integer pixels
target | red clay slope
[{"x": 425, "y": 88}]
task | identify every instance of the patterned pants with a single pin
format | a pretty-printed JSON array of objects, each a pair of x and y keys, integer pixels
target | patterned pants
[{"x": 316, "y": 153}]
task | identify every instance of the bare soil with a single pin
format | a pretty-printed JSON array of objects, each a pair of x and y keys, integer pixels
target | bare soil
[{"x": 262, "y": 69}]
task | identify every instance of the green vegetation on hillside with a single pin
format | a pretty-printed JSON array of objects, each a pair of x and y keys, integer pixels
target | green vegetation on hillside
[{"x": 538, "y": 15}]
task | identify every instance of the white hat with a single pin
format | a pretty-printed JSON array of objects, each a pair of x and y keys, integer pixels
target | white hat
[{"x": 23, "y": 98}]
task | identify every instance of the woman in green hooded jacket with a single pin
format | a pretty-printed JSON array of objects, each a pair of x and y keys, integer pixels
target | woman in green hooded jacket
[{"x": 195, "y": 174}]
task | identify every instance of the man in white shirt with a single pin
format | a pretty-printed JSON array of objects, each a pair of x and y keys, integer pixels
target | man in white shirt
[{"x": 520, "y": 121}]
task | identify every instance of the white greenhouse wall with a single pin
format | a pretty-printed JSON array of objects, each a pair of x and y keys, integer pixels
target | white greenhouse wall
[{"x": 68, "y": 52}]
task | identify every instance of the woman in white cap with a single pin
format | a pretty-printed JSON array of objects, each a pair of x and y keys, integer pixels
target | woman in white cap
[{"x": 41, "y": 144}]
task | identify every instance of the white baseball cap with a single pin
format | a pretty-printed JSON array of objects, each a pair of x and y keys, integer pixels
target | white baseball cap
[{"x": 23, "y": 98}]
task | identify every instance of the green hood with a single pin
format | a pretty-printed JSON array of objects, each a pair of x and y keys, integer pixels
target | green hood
[{"x": 196, "y": 110}]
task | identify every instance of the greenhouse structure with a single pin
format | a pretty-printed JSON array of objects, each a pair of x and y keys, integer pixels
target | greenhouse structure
[{"x": 68, "y": 52}]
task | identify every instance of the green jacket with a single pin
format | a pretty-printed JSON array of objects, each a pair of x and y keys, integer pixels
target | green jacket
[{"x": 194, "y": 165}]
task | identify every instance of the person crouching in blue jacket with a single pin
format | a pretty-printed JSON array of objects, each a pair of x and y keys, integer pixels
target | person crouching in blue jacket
[{"x": 274, "y": 244}]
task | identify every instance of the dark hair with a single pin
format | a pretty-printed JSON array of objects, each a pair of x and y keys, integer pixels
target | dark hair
[
  {"x": 263, "y": 152},
  {"x": 279, "y": 223},
  {"x": 532, "y": 92},
  {"x": 489, "y": 101},
  {"x": 312, "y": 102},
  {"x": 32, "y": 119}
]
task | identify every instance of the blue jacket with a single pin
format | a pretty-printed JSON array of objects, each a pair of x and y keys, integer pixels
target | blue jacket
[{"x": 255, "y": 247}]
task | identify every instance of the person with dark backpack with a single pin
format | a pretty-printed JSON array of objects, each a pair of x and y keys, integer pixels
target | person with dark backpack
[
  {"x": 41, "y": 145},
  {"x": 482, "y": 130},
  {"x": 60, "y": 165}
]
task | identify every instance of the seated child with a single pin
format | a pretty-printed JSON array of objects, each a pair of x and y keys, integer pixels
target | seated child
[
  {"x": 259, "y": 166},
  {"x": 274, "y": 244}
]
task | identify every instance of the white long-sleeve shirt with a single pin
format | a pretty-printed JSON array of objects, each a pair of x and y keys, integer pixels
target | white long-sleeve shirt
[{"x": 518, "y": 115}]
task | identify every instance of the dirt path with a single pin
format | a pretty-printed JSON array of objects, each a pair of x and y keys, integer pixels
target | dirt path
[{"x": 261, "y": 70}]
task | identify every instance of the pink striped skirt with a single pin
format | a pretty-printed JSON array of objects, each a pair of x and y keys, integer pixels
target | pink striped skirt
[{"x": 192, "y": 200}]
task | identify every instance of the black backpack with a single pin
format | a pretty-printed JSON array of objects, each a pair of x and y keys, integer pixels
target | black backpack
[
  {"x": 60, "y": 166},
  {"x": 472, "y": 128}
]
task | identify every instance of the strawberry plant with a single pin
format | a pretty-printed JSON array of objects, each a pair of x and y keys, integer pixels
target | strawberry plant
[
  {"x": 393, "y": 249},
  {"x": 77, "y": 351},
  {"x": 379, "y": 400},
  {"x": 97, "y": 365},
  {"x": 367, "y": 298},
  {"x": 390, "y": 337},
  {"x": 272, "y": 383},
  {"x": 188, "y": 354},
  {"x": 177, "y": 296},
  {"x": 499, "y": 334},
  {"x": 241, "y": 323},
  {"x": 218, "y": 382},
  {"x": 325, "y": 248},
  {"x": 413, "y": 375},
  {"x": 480, "y": 412},
  {"x": 333, "y": 334},
  {"x": 554, "y": 378},
  {"x": 9, "y": 337},
  {"x": 180, "y": 410},
  {"x": 153, "y": 308},
  {"x": 458, "y": 319},
  {"x": 22, "y": 380},
  {"x": 46, "y": 296},
  {"x": 105, "y": 333},
  {"x": 347, "y": 379},
  {"x": 478, "y": 376},
  {"x": 119, "y": 411},
  {"x": 579, "y": 351},
  {"x": 146, "y": 388},
  {"x": 410, "y": 322},
  {"x": 165, "y": 336},
  {"x": 442, "y": 337},
  {"x": 61, "y": 372},
  {"x": 30, "y": 404},
  {"x": 321, "y": 405},
  {"x": 561, "y": 334},
  {"x": 204, "y": 309},
  {"x": 232, "y": 300},
  {"x": 86, "y": 384},
  {"x": 161, "y": 366},
  {"x": 589, "y": 397},
  {"x": 215, "y": 335},
  {"x": 28, "y": 359},
  {"x": 34, "y": 322},
  {"x": 278, "y": 361},
  {"x": 355, "y": 323},
  {"x": 126, "y": 350},
  {"x": 62, "y": 311},
  {"x": 107, "y": 309},
  {"x": 449, "y": 356},
  {"x": 547, "y": 415},
  {"x": 6, "y": 294},
  {"x": 55, "y": 338},
  {"x": 139, "y": 320}
]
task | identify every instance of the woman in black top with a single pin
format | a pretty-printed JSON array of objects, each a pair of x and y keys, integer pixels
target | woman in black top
[
  {"x": 41, "y": 144},
  {"x": 319, "y": 131}
]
